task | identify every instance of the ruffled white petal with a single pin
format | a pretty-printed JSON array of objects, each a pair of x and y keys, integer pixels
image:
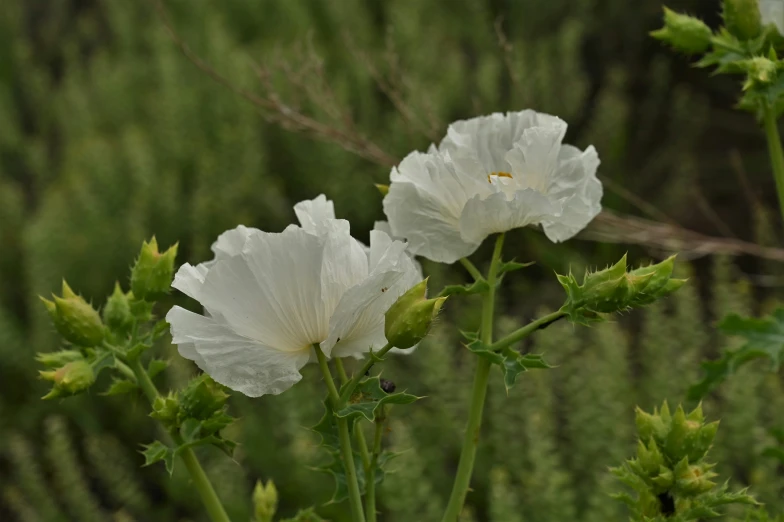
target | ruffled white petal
[
  {"x": 482, "y": 217},
  {"x": 772, "y": 12},
  {"x": 235, "y": 361},
  {"x": 189, "y": 279},
  {"x": 315, "y": 214}
]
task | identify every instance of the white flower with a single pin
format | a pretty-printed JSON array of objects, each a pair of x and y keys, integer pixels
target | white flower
[
  {"x": 268, "y": 297},
  {"x": 492, "y": 174},
  {"x": 772, "y": 12}
]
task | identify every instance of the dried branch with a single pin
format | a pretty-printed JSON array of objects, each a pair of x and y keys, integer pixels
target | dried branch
[{"x": 609, "y": 226}]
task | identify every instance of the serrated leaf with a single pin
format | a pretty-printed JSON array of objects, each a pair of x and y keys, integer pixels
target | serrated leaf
[
  {"x": 511, "y": 362},
  {"x": 156, "y": 366},
  {"x": 156, "y": 452},
  {"x": 511, "y": 266},
  {"x": 479, "y": 286},
  {"x": 327, "y": 429},
  {"x": 369, "y": 397},
  {"x": 120, "y": 387}
]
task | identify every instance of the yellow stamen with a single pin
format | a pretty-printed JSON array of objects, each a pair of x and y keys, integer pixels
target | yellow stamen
[{"x": 498, "y": 175}]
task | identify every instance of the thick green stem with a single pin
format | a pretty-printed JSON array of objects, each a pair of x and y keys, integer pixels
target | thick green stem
[
  {"x": 370, "y": 472},
  {"x": 471, "y": 268},
  {"x": 465, "y": 467},
  {"x": 347, "y": 453},
  {"x": 776, "y": 154},
  {"x": 358, "y": 433},
  {"x": 525, "y": 331},
  {"x": 207, "y": 493}
]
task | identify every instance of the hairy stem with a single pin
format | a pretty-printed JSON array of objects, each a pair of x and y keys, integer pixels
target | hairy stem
[
  {"x": 465, "y": 468},
  {"x": 203, "y": 485},
  {"x": 525, "y": 331},
  {"x": 370, "y": 474},
  {"x": 347, "y": 453}
]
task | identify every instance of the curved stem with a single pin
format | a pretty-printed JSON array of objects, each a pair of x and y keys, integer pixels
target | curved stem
[
  {"x": 525, "y": 331},
  {"x": 371, "y": 360},
  {"x": 347, "y": 453},
  {"x": 776, "y": 154},
  {"x": 465, "y": 468},
  {"x": 203, "y": 485},
  {"x": 471, "y": 268},
  {"x": 370, "y": 474}
]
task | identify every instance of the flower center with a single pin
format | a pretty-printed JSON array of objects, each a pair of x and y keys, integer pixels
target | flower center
[{"x": 498, "y": 175}]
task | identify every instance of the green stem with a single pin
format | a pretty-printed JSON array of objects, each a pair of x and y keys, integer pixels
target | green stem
[
  {"x": 354, "y": 496},
  {"x": 465, "y": 467},
  {"x": 776, "y": 154},
  {"x": 472, "y": 269},
  {"x": 525, "y": 331},
  {"x": 371, "y": 360},
  {"x": 358, "y": 433},
  {"x": 370, "y": 475},
  {"x": 207, "y": 493}
]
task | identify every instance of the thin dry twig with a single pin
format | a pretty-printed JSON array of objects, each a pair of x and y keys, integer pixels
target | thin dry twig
[{"x": 609, "y": 226}]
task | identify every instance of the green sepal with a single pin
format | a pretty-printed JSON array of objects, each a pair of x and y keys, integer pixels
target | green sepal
[
  {"x": 120, "y": 387},
  {"x": 479, "y": 286},
  {"x": 368, "y": 398}
]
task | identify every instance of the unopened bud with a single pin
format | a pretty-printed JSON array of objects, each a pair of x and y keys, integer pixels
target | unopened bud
[
  {"x": 742, "y": 18},
  {"x": 409, "y": 319},
  {"x": 684, "y": 33},
  {"x": 71, "y": 379},
  {"x": 152, "y": 274},
  {"x": 265, "y": 501},
  {"x": 117, "y": 311},
  {"x": 202, "y": 398},
  {"x": 384, "y": 189},
  {"x": 694, "y": 479},
  {"x": 58, "y": 359},
  {"x": 74, "y": 318}
]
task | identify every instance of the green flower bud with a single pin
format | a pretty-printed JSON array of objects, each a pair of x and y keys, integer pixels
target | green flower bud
[
  {"x": 409, "y": 319},
  {"x": 74, "y": 318},
  {"x": 761, "y": 71},
  {"x": 684, "y": 33},
  {"x": 694, "y": 479},
  {"x": 58, "y": 359},
  {"x": 202, "y": 398},
  {"x": 384, "y": 189},
  {"x": 152, "y": 273},
  {"x": 117, "y": 311},
  {"x": 265, "y": 501},
  {"x": 166, "y": 409},
  {"x": 742, "y": 18},
  {"x": 73, "y": 378}
]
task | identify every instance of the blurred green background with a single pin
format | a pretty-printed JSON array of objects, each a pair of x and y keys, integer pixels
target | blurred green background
[{"x": 108, "y": 135}]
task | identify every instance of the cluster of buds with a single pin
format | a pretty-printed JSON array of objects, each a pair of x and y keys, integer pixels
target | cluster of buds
[
  {"x": 614, "y": 289},
  {"x": 410, "y": 318},
  {"x": 670, "y": 473}
]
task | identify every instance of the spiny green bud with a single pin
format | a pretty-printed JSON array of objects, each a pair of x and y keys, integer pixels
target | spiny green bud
[
  {"x": 71, "y": 379},
  {"x": 384, "y": 189},
  {"x": 409, "y": 319},
  {"x": 152, "y": 274},
  {"x": 742, "y": 18},
  {"x": 265, "y": 501},
  {"x": 694, "y": 479},
  {"x": 650, "y": 457},
  {"x": 761, "y": 71},
  {"x": 74, "y": 318},
  {"x": 684, "y": 33},
  {"x": 166, "y": 409},
  {"x": 117, "y": 311},
  {"x": 58, "y": 359},
  {"x": 202, "y": 398}
]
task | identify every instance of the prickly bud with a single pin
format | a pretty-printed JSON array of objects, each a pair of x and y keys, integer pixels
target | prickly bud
[
  {"x": 684, "y": 33},
  {"x": 694, "y": 479},
  {"x": 409, "y": 319},
  {"x": 202, "y": 398},
  {"x": 650, "y": 457},
  {"x": 58, "y": 359},
  {"x": 166, "y": 409},
  {"x": 742, "y": 18},
  {"x": 117, "y": 311},
  {"x": 265, "y": 501},
  {"x": 74, "y": 318},
  {"x": 152, "y": 274},
  {"x": 71, "y": 379}
]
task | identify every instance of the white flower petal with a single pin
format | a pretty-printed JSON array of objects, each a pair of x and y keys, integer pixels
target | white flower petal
[
  {"x": 189, "y": 279},
  {"x": 231, "y": 242},
  {"x": 772, "y": 12},
  {"x": 271, "y": 292},
  {"x": 534, "y": 158},
  {"x": 422, "y": 220},
  {"x": 313, "y": 214},
  {"x": 345, "y": 262},
  {"x": 496, "y": 213},
  {"x": 235, "y": 361}
]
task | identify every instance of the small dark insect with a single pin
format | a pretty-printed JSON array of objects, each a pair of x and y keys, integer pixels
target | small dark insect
[
  {"x": 384, "y": 289},
  {"x": 387, "y": 386},
  {"x": 667, "y": 504}
]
